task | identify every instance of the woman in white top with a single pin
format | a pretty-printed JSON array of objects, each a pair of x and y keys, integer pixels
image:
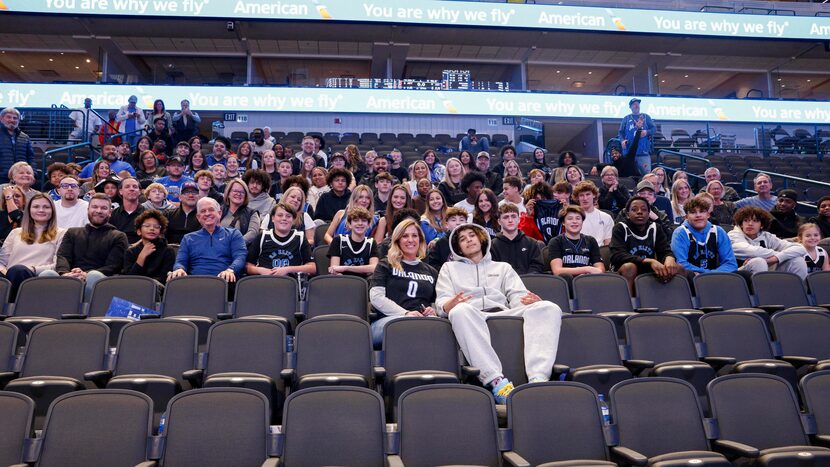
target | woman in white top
[
  {"x": 31, "y": 248},
  {"x": 318, "y": 185},
  {"x": 680, "y": 193}
]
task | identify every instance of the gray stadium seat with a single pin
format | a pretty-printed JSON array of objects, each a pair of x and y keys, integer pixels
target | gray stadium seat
[
  {"x": 782, "y": 290},
  {"x": 42, "y": 299},
  {"x": 604, "y": 294},
  {"x": 557, "y": 424},
  {"x": 328, "y": 295},
  {"x": 321, "y": 260},
  {"x": 56, "y": 358},
  {"x": 435, "y": 363},
  {"x": 674, "y": 297},
  {"x": 152, "y": 355},
  {"x": 588, "y": 348},
  {"x": 332, "y": 350},
  {"x": 98, "y": 427},
  {"x": 804, "y": 333},
  {"x": 199, "y": 299},
  {"x": 815, "y": 393},
  {"x": 549, "y": 287},
  {"x": 217, "y": 427},
  {"x": 16, "y": 411},
  {"x": 140, "y": 290},
  {"x": 819, "y": 283},
  {"x": 761, "y": 413},
  {"x": 272, "y": 296},
  {"x": 248, "y": 353},
  {"x": 718, "y": 291},
  {"x": 8, "y": 348},
  {"x": 660, "y": 419},
  {"x": 448, "y": 424},
  {"x": 507, "y": 339},
  {"x": 350, "y": 421}
]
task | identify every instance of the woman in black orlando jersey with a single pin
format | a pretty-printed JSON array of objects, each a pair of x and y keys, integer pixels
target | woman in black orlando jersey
[{"x": 402, "y": 284}]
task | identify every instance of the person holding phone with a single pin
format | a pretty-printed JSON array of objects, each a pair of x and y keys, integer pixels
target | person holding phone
[{"x": 133, "y": 119}]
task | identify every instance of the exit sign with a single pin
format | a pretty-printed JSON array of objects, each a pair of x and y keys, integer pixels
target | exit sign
[{"x": 229, "y": 117}]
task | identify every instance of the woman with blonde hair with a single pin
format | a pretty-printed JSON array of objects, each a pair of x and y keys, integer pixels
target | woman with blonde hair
[
  {"x": 512, "y": 169},
  {"x": 236, "y": 213},
  {"x": 681, "y": 192},
  {"x": 419, "y": 170},
  {"x": 662, "y": 186},
  {"x": 31, "y": 248},
  {"x": 295, "y": 197},
  {"x": 451, "y": 185},
  {"x": 403, "y": 285},
  {"x": 318, "y": 185},
  {"x": 361, "y": 196},
  {"x": 22, "y": 175}
]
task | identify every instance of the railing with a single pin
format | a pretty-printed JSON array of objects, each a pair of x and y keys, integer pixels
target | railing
[
  {"x": 695, "y": 181},
  {"x": 787, "y": 179},
  {"x": 48, "y": 156},
  {"x": 683, "y": 157}
]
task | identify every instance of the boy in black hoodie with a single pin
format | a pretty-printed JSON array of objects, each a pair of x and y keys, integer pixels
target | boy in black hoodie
[{"x": 512, "y": 246}]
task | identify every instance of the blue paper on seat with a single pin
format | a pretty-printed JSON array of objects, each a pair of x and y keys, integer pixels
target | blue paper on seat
[{"x": 120, "y": 308}]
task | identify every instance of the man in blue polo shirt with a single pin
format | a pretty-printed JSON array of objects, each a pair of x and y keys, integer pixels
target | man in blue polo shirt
[
  {"x": 212, "y": 250},
  {"x": 175, "y": 178},
  {"x": 109, "y": 154}
]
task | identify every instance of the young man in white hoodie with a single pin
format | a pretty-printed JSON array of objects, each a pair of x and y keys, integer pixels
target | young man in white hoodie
[
  {"x": 757, "y": 250},
  {"x": 474, "y": 287}
]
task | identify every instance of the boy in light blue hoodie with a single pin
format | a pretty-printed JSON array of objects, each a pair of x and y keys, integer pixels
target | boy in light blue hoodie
[{"x": 698, "y": 245}]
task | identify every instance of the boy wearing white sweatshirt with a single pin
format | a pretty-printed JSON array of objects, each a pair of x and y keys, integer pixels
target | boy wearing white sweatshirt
[
  {"x": 757, "y": 250},
  {"x": 474, "y": 287}
]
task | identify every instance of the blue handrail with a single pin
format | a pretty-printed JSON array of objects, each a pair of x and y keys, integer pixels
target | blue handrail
[
  {"x": 786, "y": 179},
  {"x": 683, "y": 156},
  {"x": 48, "y": 155}
]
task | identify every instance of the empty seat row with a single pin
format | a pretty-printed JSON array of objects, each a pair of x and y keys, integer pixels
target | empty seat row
[{"x": 657, "y": 422}]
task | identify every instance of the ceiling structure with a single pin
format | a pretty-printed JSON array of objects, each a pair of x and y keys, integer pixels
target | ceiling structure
[{"x": 183, "y": 51}]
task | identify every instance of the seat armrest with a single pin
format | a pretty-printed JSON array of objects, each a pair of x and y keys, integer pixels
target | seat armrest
[
  {"x": 73, "y": 316},
  {"x": 5, "y": 377},
  {"x": 560, "y": 369},
  {"x": 515, "y": 460},
  {"x": 373, "y": 316},
  {"x": 798, "y": 361},
  {"x": 394, "y": 461},
  {"x": 380, "y": 373},
  {"x": 629, "y": 456},
  {"x": 584, "y": 311},
  {"x": 734, "y": 449},
  {"x": 147, "y": 464},
  {"x": 28, "y": 465},
  {"x": 637, "y": 366},
  {"x": 823, "y": 305},
  {"x": 3, "y": 317},
  {"x": 647, "y": 310},
  {"x": 469, "y": 372},
  {"x": 710, "y": 309},
  {"x": 287, "y": 374},
  {"x": 196, "y": 378},
  {"x": 271, "y": 462},
  {"x": 100, "y": 378},
  {"x": 718, "y": 362},
  {"x": 224, "y": 316},
  {"x": 821, "y": 440},
  {"x": 299, "y": 316},
  {"x": 150, "y": 316},
  {"x": 771, "y": 308}
]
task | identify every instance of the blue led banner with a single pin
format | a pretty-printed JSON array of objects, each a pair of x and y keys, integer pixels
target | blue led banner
[
  {"x": 448, "y": 13},
  {"x": 372, "y": 101}
]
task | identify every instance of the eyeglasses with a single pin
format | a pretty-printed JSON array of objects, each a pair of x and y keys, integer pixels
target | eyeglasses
[
  {"x": 237, "y": 192},
  {"x": 151, "y": 226},
  {"x": 70, "y": 186}
]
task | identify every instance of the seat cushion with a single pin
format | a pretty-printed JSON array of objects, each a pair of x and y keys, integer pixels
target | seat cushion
[
  {"x": 788, "y": 456},
  {"x": 683, "y": 458},
  {"x": 579, "y": 463}
]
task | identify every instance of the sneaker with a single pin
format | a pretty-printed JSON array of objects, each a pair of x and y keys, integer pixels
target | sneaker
[
  {"x": 502, "y": 390},
  {"x": 538, "y": 379}
]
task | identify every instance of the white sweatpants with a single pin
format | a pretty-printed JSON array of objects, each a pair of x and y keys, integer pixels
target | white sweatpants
[
  {"x": 796, "y": 266},
  {"x": 542, "y": 322}
]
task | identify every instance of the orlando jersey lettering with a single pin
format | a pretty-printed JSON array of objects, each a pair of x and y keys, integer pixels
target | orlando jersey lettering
[
  {"x": 272, "y": 251},
  {"x": 411, "y": 288},
  {"x": 546, "y": 215},
  {"x": 641, "y": 246}
]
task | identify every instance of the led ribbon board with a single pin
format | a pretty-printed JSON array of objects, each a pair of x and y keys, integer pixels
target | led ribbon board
[
  {"x": 449, "y": 13},
  {"x": 445, "y": 103}
]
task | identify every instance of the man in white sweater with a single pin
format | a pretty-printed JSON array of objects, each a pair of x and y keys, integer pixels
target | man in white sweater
[
  {"x": 474, "y": 287},
  {"x": 757, "y": 250},
  {"x": 71, "y": 210}
]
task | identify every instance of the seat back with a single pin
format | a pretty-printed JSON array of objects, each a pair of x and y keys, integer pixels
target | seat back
[
  {"x": 346, "y": 295},
  {"x": 507, "y": 339},
  {"x": 5, "y": 290},
  {"x": 333, "y": 344},
  {"x": 97, "y": 427},
  {"x": 587, "y": 340},
  {"x": 137, "y": 289},
  {"x": 321, "y": 260},
  {"x": 658, "y": 416},
  {"x": 735, "y": 334},
  {"x": 803, "y": 332},
  {"x": 756, "y": 409},
  {"x": 350, "y": 420},
  {"x": 320, "y": 234},
  {"x": 217, "y": 426},
  {"x": 601, "y": 293},
  {"x": 247, "y": 346},
  {"x": 723, "y": 289},
  {"x": 402, "y": 335},
  {"x": 430, "y": 419},
  {"x": 157, "y": 347},
  {"x": 815, "y": 392},
  {"x": 779, "y": 288},
  {"x": 266, "y": 295},
  {"x": 551, "y": 288},
  {"x": 556, "y": 421},
  {"x": 819, "y": 283},
  {"x": 660, "y": 337},
  {"x": 17, "y": 412},
  {"x": 49, "y": 297},
  {"x": 8, "y": 345},
  {"x": 674, "y": 295},
  {"x": 195, "y": 296},
  {"x": 66, "y": 348}
]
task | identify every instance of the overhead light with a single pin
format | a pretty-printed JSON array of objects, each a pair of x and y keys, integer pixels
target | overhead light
[
  {"x": 809, "y": 80},
  {"x": 590, "y": 72},
  {"x": 61, "y": 53},
  {"x": 558, "y": 71},
  {"x": 698, "y": 89},
  {"x": 77, "y": 68},
  {"x": 51, "y": 59},
  {"x": 663, "y": 81},
  {"x": 656, "y": 75},
  {"x": 779, "y": 79},
  {"x": 22, "y": 66},
  {"x": 88, "y": 60},
  {"x": 685, "y": 76},
  {"x": 568, "y": 77},
  {"x": 578, "y": 84}
]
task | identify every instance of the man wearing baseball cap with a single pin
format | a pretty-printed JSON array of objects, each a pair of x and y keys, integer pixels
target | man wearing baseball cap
[
  {"x": 133, "y": 119},
  {"x": 492, "y": 178},
  {"x": 182, "y": 220},
  {"x": 174, "y": 179},
  {"x": 786, "y": 221},
  {"x": 636, "y": 131}
]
